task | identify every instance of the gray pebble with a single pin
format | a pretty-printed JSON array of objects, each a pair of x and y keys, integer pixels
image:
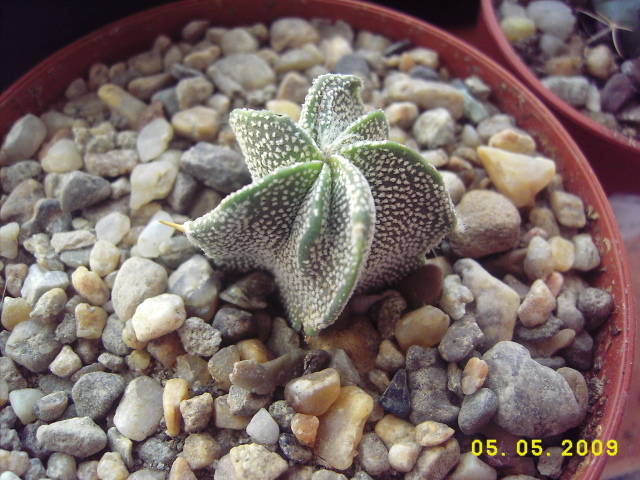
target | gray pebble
[
  {"x": 373, "y": 455},
  {"x": 79, "y": 437},
  {"x": 95, "y": 393},
  {"x": 36, "y": 471},
  {"x": 10, "y": 374},
  {"x": 579, "y": 354},
  {"x": 292, "y": 449},
  {"x": 477, "y": 410},
  {"x": 573, "y": 90},
  {"x": 52, "y": 383},
  {"x": 12, "y": 175},
  {"x": 424, "y": 73},
  {"x": 52, "y": 406},
  {"x": 185, "y": 189},
  {"x": 39, "y": 281},
  {"x": 428, "y": 386},
  {"x": 33, "y": 345},
  {"x": 534, "y": 400},
  {"x": 234, "y": 324},
  {"x": 460, "y": 339},
  {"x": 544, "y": 331},
  {"x": 112, "y": 336},
  {"x": 18, "y": 206},
  {"x": 49, "y": 305},
  {"x": 61, "y": 466},
  {"x": 157, "y": 452},
  {"x": 24, "y": 138},
  {"x": 217, "y": 167},
  {"x": 198, "y": 285},
  {"x": 66, "y": 330},
  {"x": 122, "y": 445},
  {"x": 353, "y": 64},
  {"x": 250, "y": 291},
  {"x": 596, "y": 305},
  {"x": 199, "y": 338},
  {"x": 79, "y": 190}
]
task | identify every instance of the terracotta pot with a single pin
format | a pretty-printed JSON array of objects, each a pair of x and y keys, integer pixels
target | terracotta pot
[
  {"x": 39, "y": 88},
  {"x": 614, "y": 157}
]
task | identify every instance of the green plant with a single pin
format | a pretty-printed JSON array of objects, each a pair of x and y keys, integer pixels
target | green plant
[
  {"x": 334, "y": 206},
  {"x": 621, "y": 19}
]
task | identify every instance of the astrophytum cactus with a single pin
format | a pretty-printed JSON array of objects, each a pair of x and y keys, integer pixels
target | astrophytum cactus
[{"x": 333, "y": 207}]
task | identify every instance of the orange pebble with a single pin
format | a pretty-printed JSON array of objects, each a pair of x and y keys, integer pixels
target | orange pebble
[{"x": 305, "y": 428}]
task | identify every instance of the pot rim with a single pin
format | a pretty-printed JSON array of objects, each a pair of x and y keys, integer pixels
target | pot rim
[
  {"x": 353, "y": 10},
  {"x": 515, "y": 62}
]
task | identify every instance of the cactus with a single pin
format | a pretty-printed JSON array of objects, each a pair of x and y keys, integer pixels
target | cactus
[{"x": 333, "y": 207}]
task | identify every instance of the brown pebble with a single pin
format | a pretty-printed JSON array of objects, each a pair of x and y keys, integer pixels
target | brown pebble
[
  {"x": 305, "y": 428},
  {"x": 175, "y": 391}
]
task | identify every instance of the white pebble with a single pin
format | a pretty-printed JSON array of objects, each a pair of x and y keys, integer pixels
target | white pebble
[
  {"x": 113, "y": 227},
  {"x": 23, "y": 402},
  {"x": 104, "y": 257},
  {"x": 587, "y": 256},
  {"x": 154, "y": 139},
  {"x": 263, "y": 428},
  {"x": 403, "y": 455},
  {"x": 157, "y": 316},
  {"x": 63, "y": 156},
  {"x": 152, "y": 181},
  {"x": 153, "y": 235},
  {"x": 9, "y": 240},
  {"x": 66, "y": 363}
]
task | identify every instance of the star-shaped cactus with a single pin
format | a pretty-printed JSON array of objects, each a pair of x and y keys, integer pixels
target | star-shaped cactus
[{"x": 334, "y": 207}]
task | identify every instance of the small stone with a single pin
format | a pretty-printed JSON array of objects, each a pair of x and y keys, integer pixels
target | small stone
[
  {"x": 224, "y": 418},
  {"x": 19, "y": 204},
  {"x": 538, "y": 262},
  {"x": 11, "y": 375},
  {"x": 564, "y": 65},
  {"x": 253, "y": 349},
  {"x": 517, "y": 176},
  {"x": 430, "y": 434},
  {"x": 291, "y": 32},
  {"x": 157, "y": 316},
  {"x": 153, "y": 180},
  {"x": 471, "y": 467},
  {"x": 522, "y": 385},
  {"x": 517, "y": 29},
  {"x": 71, "y": 240},
  {"x": 199, "y": 338},
  {"x": 313, "y": 394},
  {"x": 197, "y": 123},
  {"x": 617, "y": 92},
  {"x": 112, "y": 163},
  {"x": 473, "y": 376},
  {"x": 389, "y": 358},
  {"x": 24, "y": 138},
  {"x": 217, "y": 167},
  {"x": 113, "y": 227},
  {"x": 392, "y": 429},
  {"x": 562, "y": 252},
  {"x": 282, "y": 413},
  {"x": 14, "y": 311},
  {"x": 234, "y": 324},
  {"x": 145, "y": 87},
  {"x": 23, "y": 401},
  {"x": 496, "y": 304},
  {"x": 293, "y": 87},
  {"x": 200, "y": 450},
  {"x": 401, "y": 114},
  {"x": 252, "y": 462},
  {"x": 66, "y": 362},
  {"x": 403, "y": 455},
  {"x": 95, "y": 393},
  {"x": 513, "y": 140},
  {"x": 104, "y": 258},
  {"x": 137, "y": 279},
  {"x": 196, "y": 412},
  {"x": 79, "y": 437},
  {"x": 79, "y": 190},
  {"x": 90, "y": 321},
  {"x": 140, "y": 410},
  {"x": 491, "y": 224},
  {"x": 51, "y": 406},
  {"x": 587, "y": 256},
  {"x": 425, "y": 327},
  {"x": 154, "y": 139},
  {"x": 90, "y": 286},
  {"x": 154, "y": 234},
  {"x": 284, "y": 107},
  {"x": 596, "y": 305},
  {"x": 221, "y": 365},
  {"x": 373, "y": 455},
  {"x": 434, "y": 128},
  {"x": 175, "y": 391},
  {"x": 454, "y": 297},
  {"x": 427, "y": 94},
  {"x": 305, "y": 428},
  {"x": 461, "y": 339},
  {"x": 62, "y": 157},
  {"x": 111, "y": 467},
  {"x": 600, "y": 61},
  {"x": 573, "y": 90},
  {"x": 568, "y": 209},
  {"x": 61, "y": 466},
  {"x": 13, "y": 175},
  {"x": 341, "y": 427},
  {"x": 122, "y": 102},
  {"x": 537, "y": 305},
  {"x": 263, "y": 429},
  {"x": 396, "y": 397},
  {"x": 298, "y": 59},
  {"x": 33, "y": 345},
  {"x": 292, "y": 450},
  {"x": 553, "y": 17},
  {"x": 436, "y": 462},
  {"x": 198, "y": 285}
]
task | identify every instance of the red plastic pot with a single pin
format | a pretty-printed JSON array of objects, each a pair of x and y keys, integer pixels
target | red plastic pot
[
  {"x": 43, "y": 85},
  {"x": 614, "y": 157}
]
